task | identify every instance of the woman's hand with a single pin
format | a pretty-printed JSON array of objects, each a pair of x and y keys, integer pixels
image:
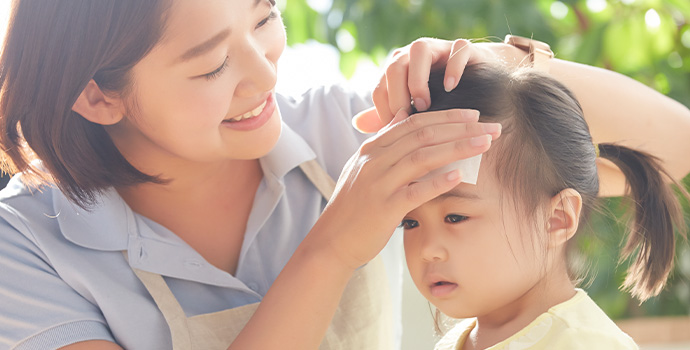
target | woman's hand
[
  {"x": 407, "y": 76},
  {"x": 378, "y": 186},
  {"x": 374, "y": 192}
]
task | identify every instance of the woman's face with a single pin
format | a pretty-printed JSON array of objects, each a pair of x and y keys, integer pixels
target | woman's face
[
  {"x": 471, "y": 253},
  {"x": 205, "y": 92}
]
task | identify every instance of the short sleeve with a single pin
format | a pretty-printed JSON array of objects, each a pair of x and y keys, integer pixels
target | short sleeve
[{"x": 38, "y": 310}]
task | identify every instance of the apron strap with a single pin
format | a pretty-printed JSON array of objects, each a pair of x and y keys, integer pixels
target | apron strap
[
  {"x": 164, "y": 298},
  {"x": 319, "y": 177},
  {"x": 168, "y": 306}
]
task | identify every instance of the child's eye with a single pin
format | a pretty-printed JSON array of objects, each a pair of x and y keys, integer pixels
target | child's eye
[
  {"x": 271, "y": 16},
  {"x": 454, "y": 218},
  {"x": 408, "y": 224}
]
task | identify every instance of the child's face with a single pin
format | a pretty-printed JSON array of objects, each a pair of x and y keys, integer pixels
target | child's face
[
  {"x": 186, "y": 100},
  {"x": 470, "y": 252}
]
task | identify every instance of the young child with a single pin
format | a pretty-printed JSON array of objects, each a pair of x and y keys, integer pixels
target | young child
[{"x": 495, "y": 253}]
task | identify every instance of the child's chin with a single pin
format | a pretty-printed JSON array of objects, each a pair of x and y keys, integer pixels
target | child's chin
[{"x": 454, "y": 312}]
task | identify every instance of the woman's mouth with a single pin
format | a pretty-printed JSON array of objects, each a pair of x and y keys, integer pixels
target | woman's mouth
[
  {"x": 253, "y": 119},
  {"x": 253, "y": 113}
]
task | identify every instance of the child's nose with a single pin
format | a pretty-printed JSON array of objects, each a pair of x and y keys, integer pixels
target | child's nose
[{"x": 433, "y": 249}]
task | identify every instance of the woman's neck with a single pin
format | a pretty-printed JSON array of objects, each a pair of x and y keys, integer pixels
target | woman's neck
[
  {"x": 206, "y": 206},
  {"x": 192, "y": 183},
  {"x": 492, "y": 328}
]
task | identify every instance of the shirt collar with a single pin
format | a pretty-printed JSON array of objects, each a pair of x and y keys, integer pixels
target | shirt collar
[
  {"x": 108, "y": 224},
  {"x": 103, "y": 226},
  {"x": 290, "y": 151}
]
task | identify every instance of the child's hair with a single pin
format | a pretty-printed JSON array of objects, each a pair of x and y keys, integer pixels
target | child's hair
[
  {"x": 546, "y": 147},
  {"x": 51, "y": 51}
]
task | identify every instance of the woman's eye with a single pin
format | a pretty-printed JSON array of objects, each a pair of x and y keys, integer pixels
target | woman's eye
[
  {"x": 271, "y": 16},
  {"x": 454, "y": 218},
  {"x": 408, "y": 224},
  {"x": 217, "y": 72}
]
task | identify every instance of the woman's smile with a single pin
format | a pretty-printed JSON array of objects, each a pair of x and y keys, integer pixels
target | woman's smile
[{"x": 253, "y": 119}]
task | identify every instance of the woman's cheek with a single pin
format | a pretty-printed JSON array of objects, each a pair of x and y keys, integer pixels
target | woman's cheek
[{"x": 211, "y": 104}]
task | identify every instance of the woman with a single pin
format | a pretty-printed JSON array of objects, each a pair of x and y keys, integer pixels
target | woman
[{"x": 173, "y": 198}]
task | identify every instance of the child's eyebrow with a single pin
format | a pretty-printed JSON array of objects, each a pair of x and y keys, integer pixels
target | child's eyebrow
[{"x": 459, "y": 193}]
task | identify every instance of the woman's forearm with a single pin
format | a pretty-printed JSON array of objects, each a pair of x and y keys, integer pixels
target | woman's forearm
[
  {"x": 620, "y": 109},
  {"x": 296, "y": 311}
]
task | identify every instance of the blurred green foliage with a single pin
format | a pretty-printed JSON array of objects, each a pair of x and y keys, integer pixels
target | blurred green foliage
[{"x": 648, "y": 40}]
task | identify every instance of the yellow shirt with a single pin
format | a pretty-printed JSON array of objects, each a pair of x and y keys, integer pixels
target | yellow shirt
[{"x": 576, "y": 324}]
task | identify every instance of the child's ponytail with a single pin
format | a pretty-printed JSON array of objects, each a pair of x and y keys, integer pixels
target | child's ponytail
[{"x": 651, "y": 241}]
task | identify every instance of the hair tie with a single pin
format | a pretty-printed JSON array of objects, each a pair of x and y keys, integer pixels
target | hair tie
[{"x": 596, "y": 150}]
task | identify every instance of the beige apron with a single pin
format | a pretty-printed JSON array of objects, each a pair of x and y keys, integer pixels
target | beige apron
[{"x": 362, "y": 321}]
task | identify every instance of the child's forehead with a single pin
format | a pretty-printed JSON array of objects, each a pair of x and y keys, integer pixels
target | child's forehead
[{"x": 466, "y": 192}]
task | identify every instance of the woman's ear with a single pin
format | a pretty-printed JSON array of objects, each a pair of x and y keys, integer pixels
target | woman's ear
[
  {"x": 564, "y": 216},
  {"x": 97, "y": 107}
]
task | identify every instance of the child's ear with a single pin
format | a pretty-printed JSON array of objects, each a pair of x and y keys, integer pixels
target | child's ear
[
  {"x": 564, "y": 216},
  {"x": 97, "y": 107}
]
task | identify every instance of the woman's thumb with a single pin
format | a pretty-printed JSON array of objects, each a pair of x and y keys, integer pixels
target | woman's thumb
[{"x": 367, "y": 121}]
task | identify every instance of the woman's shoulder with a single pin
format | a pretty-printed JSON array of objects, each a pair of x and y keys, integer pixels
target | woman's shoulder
[
  {"x": 327, "y": 101},
  {"x": 22, "y": 203},
  {"x": 322, "y": 117}
]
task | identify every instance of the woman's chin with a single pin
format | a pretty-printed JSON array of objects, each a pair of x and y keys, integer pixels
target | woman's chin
[{"x": 262, "y": 141}]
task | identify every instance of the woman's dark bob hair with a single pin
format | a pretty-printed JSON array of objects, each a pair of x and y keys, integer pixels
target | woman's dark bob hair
[{"x": 51, "y": 51}]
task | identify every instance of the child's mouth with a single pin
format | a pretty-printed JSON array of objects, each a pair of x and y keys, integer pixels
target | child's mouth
[{"x": 442, "y": 288}]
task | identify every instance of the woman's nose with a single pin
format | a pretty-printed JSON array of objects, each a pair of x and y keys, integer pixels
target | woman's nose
[{"x": 258, "y": 67}]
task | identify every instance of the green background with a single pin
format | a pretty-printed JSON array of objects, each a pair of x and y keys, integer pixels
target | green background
[{"x": 648, "y": 40}]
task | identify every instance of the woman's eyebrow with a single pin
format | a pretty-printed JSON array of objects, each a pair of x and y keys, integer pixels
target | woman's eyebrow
[
  {"x": 204, "y": 47},
  {"x": 209, "y": 44}
]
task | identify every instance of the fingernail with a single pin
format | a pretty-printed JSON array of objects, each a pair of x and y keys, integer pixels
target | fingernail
[
  {"x": 453, "y": 175},
  {"x": 449, "y": 84},
  {"x": 480, "y": 140},
  {"x": 471, "y": 114},
  {"x": 420, "y": 104},
  {"x": 491, "y": 128}
]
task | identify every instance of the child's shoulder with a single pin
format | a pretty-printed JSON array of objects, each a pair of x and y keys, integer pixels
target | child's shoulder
[
  {"x": 455, "y": 337},
  {"x": 579, "y": 323}
]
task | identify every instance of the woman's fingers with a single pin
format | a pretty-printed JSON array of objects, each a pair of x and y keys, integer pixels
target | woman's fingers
[
  {"x": 420, "y": 62},
  {"x": 367, "y": 121},
  {"x": 380, "y": 98},
  {"x": 424, "y": 160},
  {"x": 394, "y": 132},
  {"x": 377, "y": 186},
  {"x": 440, "y": 134},
  {"x": 418, "y": 193},
  {"x": 397, "y": 81},
  {"x": 459, "y": 57}
]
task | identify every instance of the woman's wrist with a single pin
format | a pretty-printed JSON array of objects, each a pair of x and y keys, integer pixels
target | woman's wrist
[
  {"x": 321, "y": 250},
  {"x": 509, "y": 55}
]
